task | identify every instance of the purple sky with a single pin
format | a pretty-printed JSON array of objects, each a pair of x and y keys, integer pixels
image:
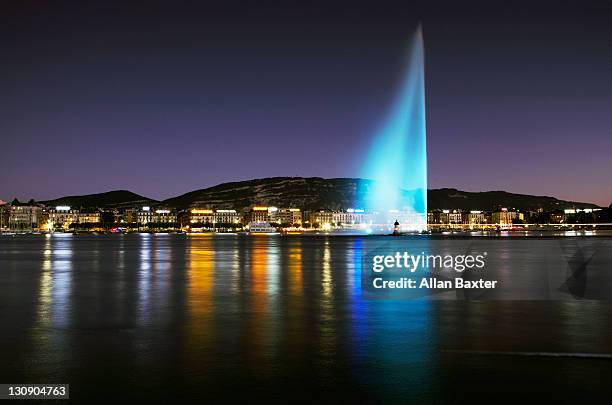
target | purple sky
[{"x": 162, "y": 98}]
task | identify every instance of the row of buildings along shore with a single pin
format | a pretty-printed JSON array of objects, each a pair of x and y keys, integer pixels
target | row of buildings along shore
[{"x": 34, "y": 217}]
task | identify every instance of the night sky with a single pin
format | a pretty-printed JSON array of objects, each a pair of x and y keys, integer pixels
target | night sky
[{"x": 162, "y": 98}]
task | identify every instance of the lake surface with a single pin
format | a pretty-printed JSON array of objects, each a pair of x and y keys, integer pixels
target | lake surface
[{"x": 142, "y": 317}]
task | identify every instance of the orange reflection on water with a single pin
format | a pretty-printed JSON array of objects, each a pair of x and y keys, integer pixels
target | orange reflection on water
[
  {"x": 259, "y": 263},
  {"x": 263, "y": 326},
  {"x": 297, "y": 325},
  {"x": 200, "y": 278},
  {"x": 294, "y": 256},
  {"x": 199, "y": 329},
  {"x": 259, "y": 327}
]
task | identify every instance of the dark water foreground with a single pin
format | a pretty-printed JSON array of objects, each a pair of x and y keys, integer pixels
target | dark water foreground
[{"x": 144, "y": 317}]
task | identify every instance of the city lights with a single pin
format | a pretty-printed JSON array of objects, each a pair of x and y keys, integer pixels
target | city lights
[{"x": 200, "y": 211}]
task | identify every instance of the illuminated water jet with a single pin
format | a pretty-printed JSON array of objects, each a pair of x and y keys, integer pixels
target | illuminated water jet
[{"x": 397, "y": 159}]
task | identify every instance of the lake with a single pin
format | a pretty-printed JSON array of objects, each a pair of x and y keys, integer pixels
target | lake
[{"x": 162, "y": 317}]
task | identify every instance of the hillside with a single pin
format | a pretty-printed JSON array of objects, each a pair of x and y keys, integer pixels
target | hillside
[
  {"x": 340, "y": 193},
  {"x": 307, "y": 193},
  {"x": 312, "y": 193},
  {"x": 450, "y": 198},
  {"x": 110, "y": 199}
]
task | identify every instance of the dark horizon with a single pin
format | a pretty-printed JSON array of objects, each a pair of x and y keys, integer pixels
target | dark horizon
[
  {"x": 255, "y": 179},
  {"x": 164, "y": 98}
]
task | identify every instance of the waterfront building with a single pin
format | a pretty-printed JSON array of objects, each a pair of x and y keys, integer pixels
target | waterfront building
[
  {"x": 321, "y": 218},
  {"x": 145, "y": 215},
  {"x": 557, "y": 217},
  {"x": 225, "y": 217},
  {"x": 130, "y": 216},
  {"x": 476, "y": 218},
  {"x": 583, "y": 215},
  {"x": 5, "y": 210},
  {"x": 26, "y": 216},
  {"x": 273, "y": 215},
  {"x": 258, "y": 213},
  {"x": 62, "y": 216},
  {"x": 306, "y": 217},
  {"x": 504, "y": 216},
  {"x": 350, "y": 217},
  {"x": 453, "y": 217},
  {"x": 291, "y": 216},
  {"x": 88, "y": 217},
  {"x": 163, "y": 216},
  {"x": 201, "y": 216},
  {"x": 117, "y": 216},
  {"x": 407, "y": 219},
  {"x": 434, "y": 216}
]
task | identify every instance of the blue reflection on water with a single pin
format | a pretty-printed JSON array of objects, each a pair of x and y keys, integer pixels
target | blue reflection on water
[{"x": 394, "y": 335}]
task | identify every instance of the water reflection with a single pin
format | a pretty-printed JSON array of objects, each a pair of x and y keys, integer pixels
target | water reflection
[
  {"x": 45, "y": 299},
  {"x": 261, "y": 327},
  {"x": 44, "y": 292},
  {"x": 327, "y": 281},
  {"x": 195, "y": 313},
  {"x": 327, "y": 332},
  {"x": 200, "y": 282},
  {"x": 61, "y": 280},
  {"x": 144, "y": 278},
  {"x": 53, "y": 306},
  {"x": 391, "y": 335}
]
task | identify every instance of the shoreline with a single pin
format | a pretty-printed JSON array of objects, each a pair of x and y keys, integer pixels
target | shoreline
[{"x": 434, "y": 236}]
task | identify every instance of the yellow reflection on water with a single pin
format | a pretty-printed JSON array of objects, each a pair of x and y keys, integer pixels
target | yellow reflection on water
[
  {"x": 296, "y": 317},
  {"x": 199, "y": 328},
  {"x": 258, "y": 325},
  {"x": 43, "y": 311},
  {"x": 296, "y": 280},
  {"x": 200, "y": 279},
  {"x": 53, "y": 300},
  {"x": 259, "y": 281},
  {"x": 235, "y": 265},
  {"x": 327, "y": 329},
  {"x": 264, "y": 317},
  {"x": 327, "y": 273}
]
